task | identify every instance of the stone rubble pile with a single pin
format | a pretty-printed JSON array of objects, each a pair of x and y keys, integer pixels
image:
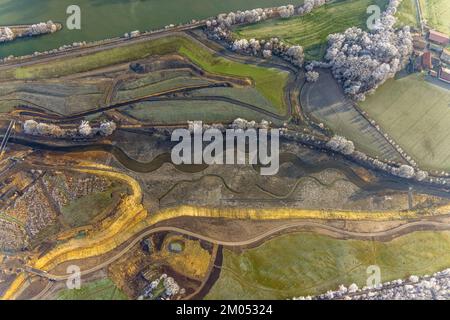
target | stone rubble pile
[{"x": 435, "y": 287}]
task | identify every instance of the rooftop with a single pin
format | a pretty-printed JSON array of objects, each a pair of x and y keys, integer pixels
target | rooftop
[
  {"x": 426, "y": 60},
  {"x": 439, "y": 37}
]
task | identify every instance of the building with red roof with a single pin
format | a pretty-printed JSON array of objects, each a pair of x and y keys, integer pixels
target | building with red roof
[
  {"x": 426, "y": 61},
  {"x": 438, "y": 37}
]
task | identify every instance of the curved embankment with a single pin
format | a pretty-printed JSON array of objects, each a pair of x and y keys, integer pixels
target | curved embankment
[
  {"x": 288, "y": 213},
  {"x": 269, "y": 82},
  {"x": 131, "y": 219},
  {"x": 149, "y": 97},
  {"x": 156, "y": 97},
  {"x": 319, "y": 227},
  {"x": 113, "y": 231},
  {"x": 98, "y": 244}
]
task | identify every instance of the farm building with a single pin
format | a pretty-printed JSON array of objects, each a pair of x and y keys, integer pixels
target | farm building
[
  {"x": 426, "y": 61},
  {"x": 445, "y": 75},
  {"x": 445, "y": 56},
  {"x": 439, "y": 37}
]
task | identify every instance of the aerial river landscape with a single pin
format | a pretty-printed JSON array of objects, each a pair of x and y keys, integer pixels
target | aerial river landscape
[
  {"x": 225, "y": 150},
  {"x": 102, "y": 19}
]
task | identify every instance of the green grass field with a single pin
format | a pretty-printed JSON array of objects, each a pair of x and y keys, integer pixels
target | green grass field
[
  {"x": 311, "y": 30},
  {"x": 416, "y": 114},
  {"x": 310, "y": 264},
  {"x": 182, "y": 111},
  {"x": 103, "y": 289},
  {"x": 161, "y": 86},
  {"x": 270, "y": 82},
  {"x": 7, "y": 106},
  {"x": 324, "y": 102},
  {"x": 63, "y": 97},
  {"x": 83, "y": 210},
  {"x": 407, "y": 14},
  {"x": 245, "y": 94},
  {"x": 154, "y": 77},
  {"x": 437, "y": 14}
]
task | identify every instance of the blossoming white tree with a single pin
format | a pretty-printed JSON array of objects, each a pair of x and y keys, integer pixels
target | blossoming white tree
[{"x": 361, "y": 61}]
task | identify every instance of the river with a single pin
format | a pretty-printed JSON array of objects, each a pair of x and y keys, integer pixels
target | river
[{"x": 102, "y": 19}]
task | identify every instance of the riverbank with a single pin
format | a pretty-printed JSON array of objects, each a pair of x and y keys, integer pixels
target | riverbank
[{"x": 96, "y": 18}]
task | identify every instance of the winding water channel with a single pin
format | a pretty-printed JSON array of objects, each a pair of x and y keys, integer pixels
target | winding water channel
[{"x": 384, "y": 183}]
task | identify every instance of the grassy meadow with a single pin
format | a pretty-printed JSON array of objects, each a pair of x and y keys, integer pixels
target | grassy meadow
[
  {"x": 166, "y": 112},
  {"x": 437, "y": 14},
  {"x": 407, "y": 14},
  {"x": 84, "y": 210},
  {"x": 416, "y": 114},
  {"x": 309, "y": 264},
  {"x": 103, "y": 289},
  {"x": 311, "y": 31}
]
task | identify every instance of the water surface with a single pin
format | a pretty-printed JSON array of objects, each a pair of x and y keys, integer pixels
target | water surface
[{"x": 102, "y": 19}]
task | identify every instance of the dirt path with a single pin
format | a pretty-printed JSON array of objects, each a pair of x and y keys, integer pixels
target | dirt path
[{"x": 320, "y": 228}]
